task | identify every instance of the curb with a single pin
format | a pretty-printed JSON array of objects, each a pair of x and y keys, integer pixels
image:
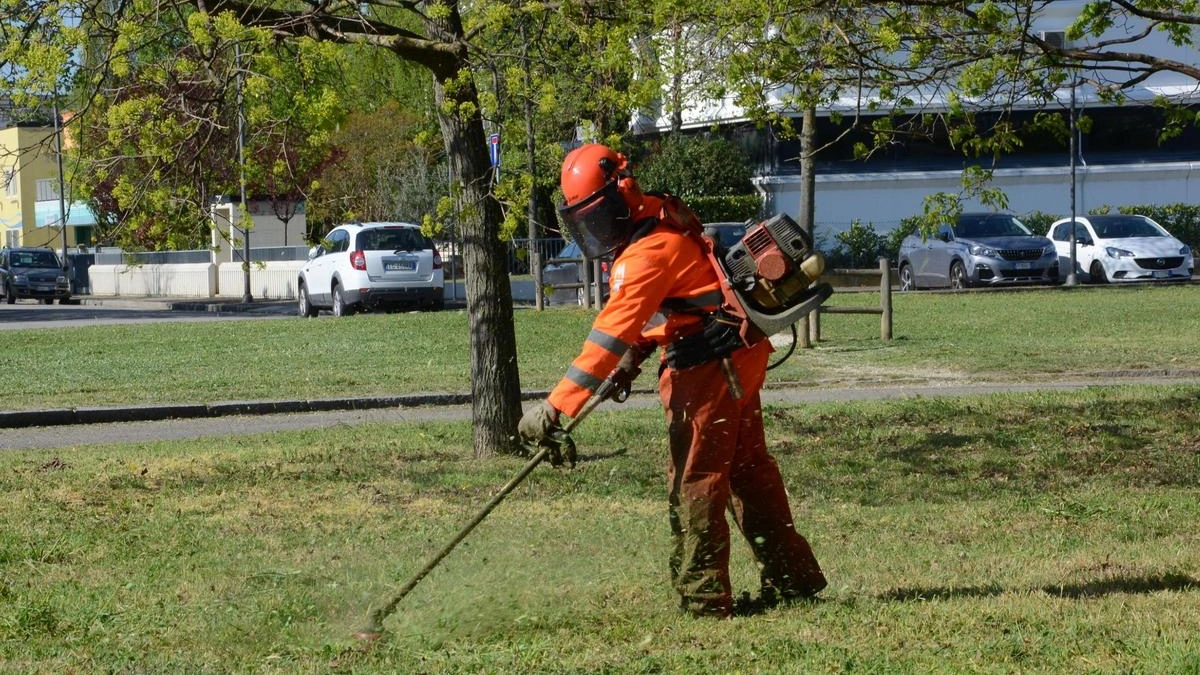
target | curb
[
  {"x": 18, "y": 419},
  {"x": 184, "y": 305}
]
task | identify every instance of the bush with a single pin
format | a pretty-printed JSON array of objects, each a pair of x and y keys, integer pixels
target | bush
[
  {"x": 859, "y": 246},
  {"x": 730, "y": 208},
  {"x": 1039, "y": 222},
  {"x": 697, "y": 166},
  {"x": 893, "y": 239}
]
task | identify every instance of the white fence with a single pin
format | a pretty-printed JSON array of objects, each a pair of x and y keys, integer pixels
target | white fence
[{"x": 274, "y": 280}]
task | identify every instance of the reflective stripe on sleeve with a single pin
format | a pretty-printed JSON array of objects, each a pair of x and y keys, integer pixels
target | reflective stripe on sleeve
[
  {"x": 583, "y": 378},
  {"x": 608, "y": 342}
]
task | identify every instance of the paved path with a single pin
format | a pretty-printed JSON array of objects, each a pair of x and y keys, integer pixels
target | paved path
[{"x": 72, "y": 435}]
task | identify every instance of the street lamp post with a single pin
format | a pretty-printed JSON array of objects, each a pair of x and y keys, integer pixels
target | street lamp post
[
  {"x": 62, "y": 185},
  {"x": 241, "y": 150},
  {"x": 1071, "y": 278}
]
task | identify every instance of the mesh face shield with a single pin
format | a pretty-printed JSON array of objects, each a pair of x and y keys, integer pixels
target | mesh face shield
[{"x": 599, "y": 223}]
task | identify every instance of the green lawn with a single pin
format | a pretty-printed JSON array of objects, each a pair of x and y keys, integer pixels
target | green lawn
[
  {"x": 1031, "y": 533},
  {"x": 1027, "y": 335},
  {"x": 1015, "y": 533}
]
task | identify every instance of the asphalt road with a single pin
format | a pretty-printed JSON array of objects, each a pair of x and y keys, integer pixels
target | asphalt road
[
  {"x": 71, "y": 436},
  {"x": 27, "y": 314}
]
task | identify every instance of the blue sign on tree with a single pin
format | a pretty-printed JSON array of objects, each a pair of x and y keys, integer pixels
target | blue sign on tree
[{"x": 494, "y": 149}]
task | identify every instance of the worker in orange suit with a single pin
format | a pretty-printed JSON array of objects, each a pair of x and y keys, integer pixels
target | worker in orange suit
[{"x": 666, "y": 291}]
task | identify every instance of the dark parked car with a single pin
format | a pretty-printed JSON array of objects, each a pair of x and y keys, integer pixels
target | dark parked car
[
  {"x": 980, "y": 249},
  {"x": 569, "y": 268},
  {"x": 727, "y": 234},
  {"x": 33, "y": 273}
]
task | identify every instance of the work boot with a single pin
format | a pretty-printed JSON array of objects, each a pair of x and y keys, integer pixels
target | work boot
[
  {"x": 787, "y": 589},
  {"x": 709, "y": 608},
  {"x": 768, "y": 599}
]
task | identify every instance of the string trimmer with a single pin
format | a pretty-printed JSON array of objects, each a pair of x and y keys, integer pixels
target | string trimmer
[{"x": 374, "y": 627}]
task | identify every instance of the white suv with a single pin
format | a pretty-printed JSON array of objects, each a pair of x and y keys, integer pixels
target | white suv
[{"x": 371, "y": 266}]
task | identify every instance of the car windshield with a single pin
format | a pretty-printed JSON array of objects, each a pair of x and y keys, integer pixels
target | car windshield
[
  {"x": 34, "y": 259},
  {"x": 1122, "y": 228},
  {"x": 989, "y": 225},
  {"x": 392, "y": 239}
]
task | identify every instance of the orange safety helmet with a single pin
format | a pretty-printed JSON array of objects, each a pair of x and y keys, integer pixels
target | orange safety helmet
[{"x": 602, "y": 198}]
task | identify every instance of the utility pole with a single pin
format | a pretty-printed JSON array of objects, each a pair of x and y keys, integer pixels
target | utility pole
[
  {"x": 62, "y": 185},
  {"x": 241, "y": 151},
  {"x": 1071, "y": 278}
]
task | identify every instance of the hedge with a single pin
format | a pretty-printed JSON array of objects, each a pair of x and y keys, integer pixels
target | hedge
[{"x": 723, "y": 209}]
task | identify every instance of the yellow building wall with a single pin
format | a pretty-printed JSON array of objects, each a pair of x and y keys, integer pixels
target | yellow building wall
[{"x": 28, "y": 151}]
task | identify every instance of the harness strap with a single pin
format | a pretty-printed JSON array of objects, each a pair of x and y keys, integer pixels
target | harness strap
[{"x": 677, "y": 214}]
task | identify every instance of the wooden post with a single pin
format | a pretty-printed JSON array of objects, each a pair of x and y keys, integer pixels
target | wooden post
[
  {"x": 814, "y": 326},
  {"x": 885, "y": 299},
  {"x": 598, "y": 275},
  {"x": 585, "y": 291}
]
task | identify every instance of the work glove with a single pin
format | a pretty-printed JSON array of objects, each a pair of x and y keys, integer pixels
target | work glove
[
  {"x": 539, "y": 427},
  {"x": 627, "y": 370},
  {"x": 720, "y": 337}
]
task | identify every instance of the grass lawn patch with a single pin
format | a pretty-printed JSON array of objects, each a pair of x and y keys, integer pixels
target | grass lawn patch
[
  {"x": 1028, "y": 335},
  {"x": 1013, "y": 533}
]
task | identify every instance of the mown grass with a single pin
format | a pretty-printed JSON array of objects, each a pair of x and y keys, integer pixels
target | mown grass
[
  {"x": 1013, "y": 533},
  {"x": 1025, "y": 335}
]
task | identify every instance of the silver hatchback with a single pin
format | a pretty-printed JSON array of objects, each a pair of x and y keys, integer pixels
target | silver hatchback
[{"x": 980, "y": 249}]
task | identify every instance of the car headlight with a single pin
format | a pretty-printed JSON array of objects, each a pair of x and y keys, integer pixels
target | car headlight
[
  {"x": 1185, "y": 251},
  {"x": 20, "y": 278},
  {"x": 977, "y": 249},
  {"x": 61, "y": 279},
  {"x": 1114, "y": 252}
]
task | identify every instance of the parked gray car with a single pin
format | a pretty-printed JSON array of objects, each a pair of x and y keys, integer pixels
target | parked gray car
[
  {"x": 33, "y": 273},
  {"x": 980, "y": 249}
]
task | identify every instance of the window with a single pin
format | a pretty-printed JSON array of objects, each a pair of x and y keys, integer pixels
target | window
[
  {"x": 392, "y": 239},
  {"x": 47, "y": 190},
  {"x": 10, "y": 182},
  {"x": 336, "y": 242},
  {"x": 39, "y": 259}
]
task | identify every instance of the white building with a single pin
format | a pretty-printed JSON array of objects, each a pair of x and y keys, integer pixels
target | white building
[{"x": 1119, "y": 162}]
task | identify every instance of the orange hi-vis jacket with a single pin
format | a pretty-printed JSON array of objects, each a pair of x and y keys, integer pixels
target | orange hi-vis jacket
[{"x": 665, "y": 263}]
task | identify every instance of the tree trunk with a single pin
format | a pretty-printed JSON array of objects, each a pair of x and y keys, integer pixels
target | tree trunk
[
  {"x": 808, "y": 201},
  {"x": 495, "y": 383}
]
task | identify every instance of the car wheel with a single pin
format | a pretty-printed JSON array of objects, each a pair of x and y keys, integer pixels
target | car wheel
[
  {"x": 1097, "y": 273},
  {"x": 907, "y": 281},
  {"x": 306, "y": 309},
  {"x": 340, "y": 308},
  {"x": 958, "y": 276}
]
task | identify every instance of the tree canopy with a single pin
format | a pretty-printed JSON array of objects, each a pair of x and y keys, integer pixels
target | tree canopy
[{"x": 155, "y": 86}]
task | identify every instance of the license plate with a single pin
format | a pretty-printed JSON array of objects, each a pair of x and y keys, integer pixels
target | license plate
[
  {"x": 1024, "y": 266},
  {"x": 1160, "y": 274},
  {"x": 400, "y": 266}
]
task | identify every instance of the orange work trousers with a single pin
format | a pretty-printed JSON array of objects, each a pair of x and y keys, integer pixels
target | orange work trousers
[{"x": 719, "y": 461}]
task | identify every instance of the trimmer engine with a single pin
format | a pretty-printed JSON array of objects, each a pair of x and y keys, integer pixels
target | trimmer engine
[{"x": 774, "y": 265}]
